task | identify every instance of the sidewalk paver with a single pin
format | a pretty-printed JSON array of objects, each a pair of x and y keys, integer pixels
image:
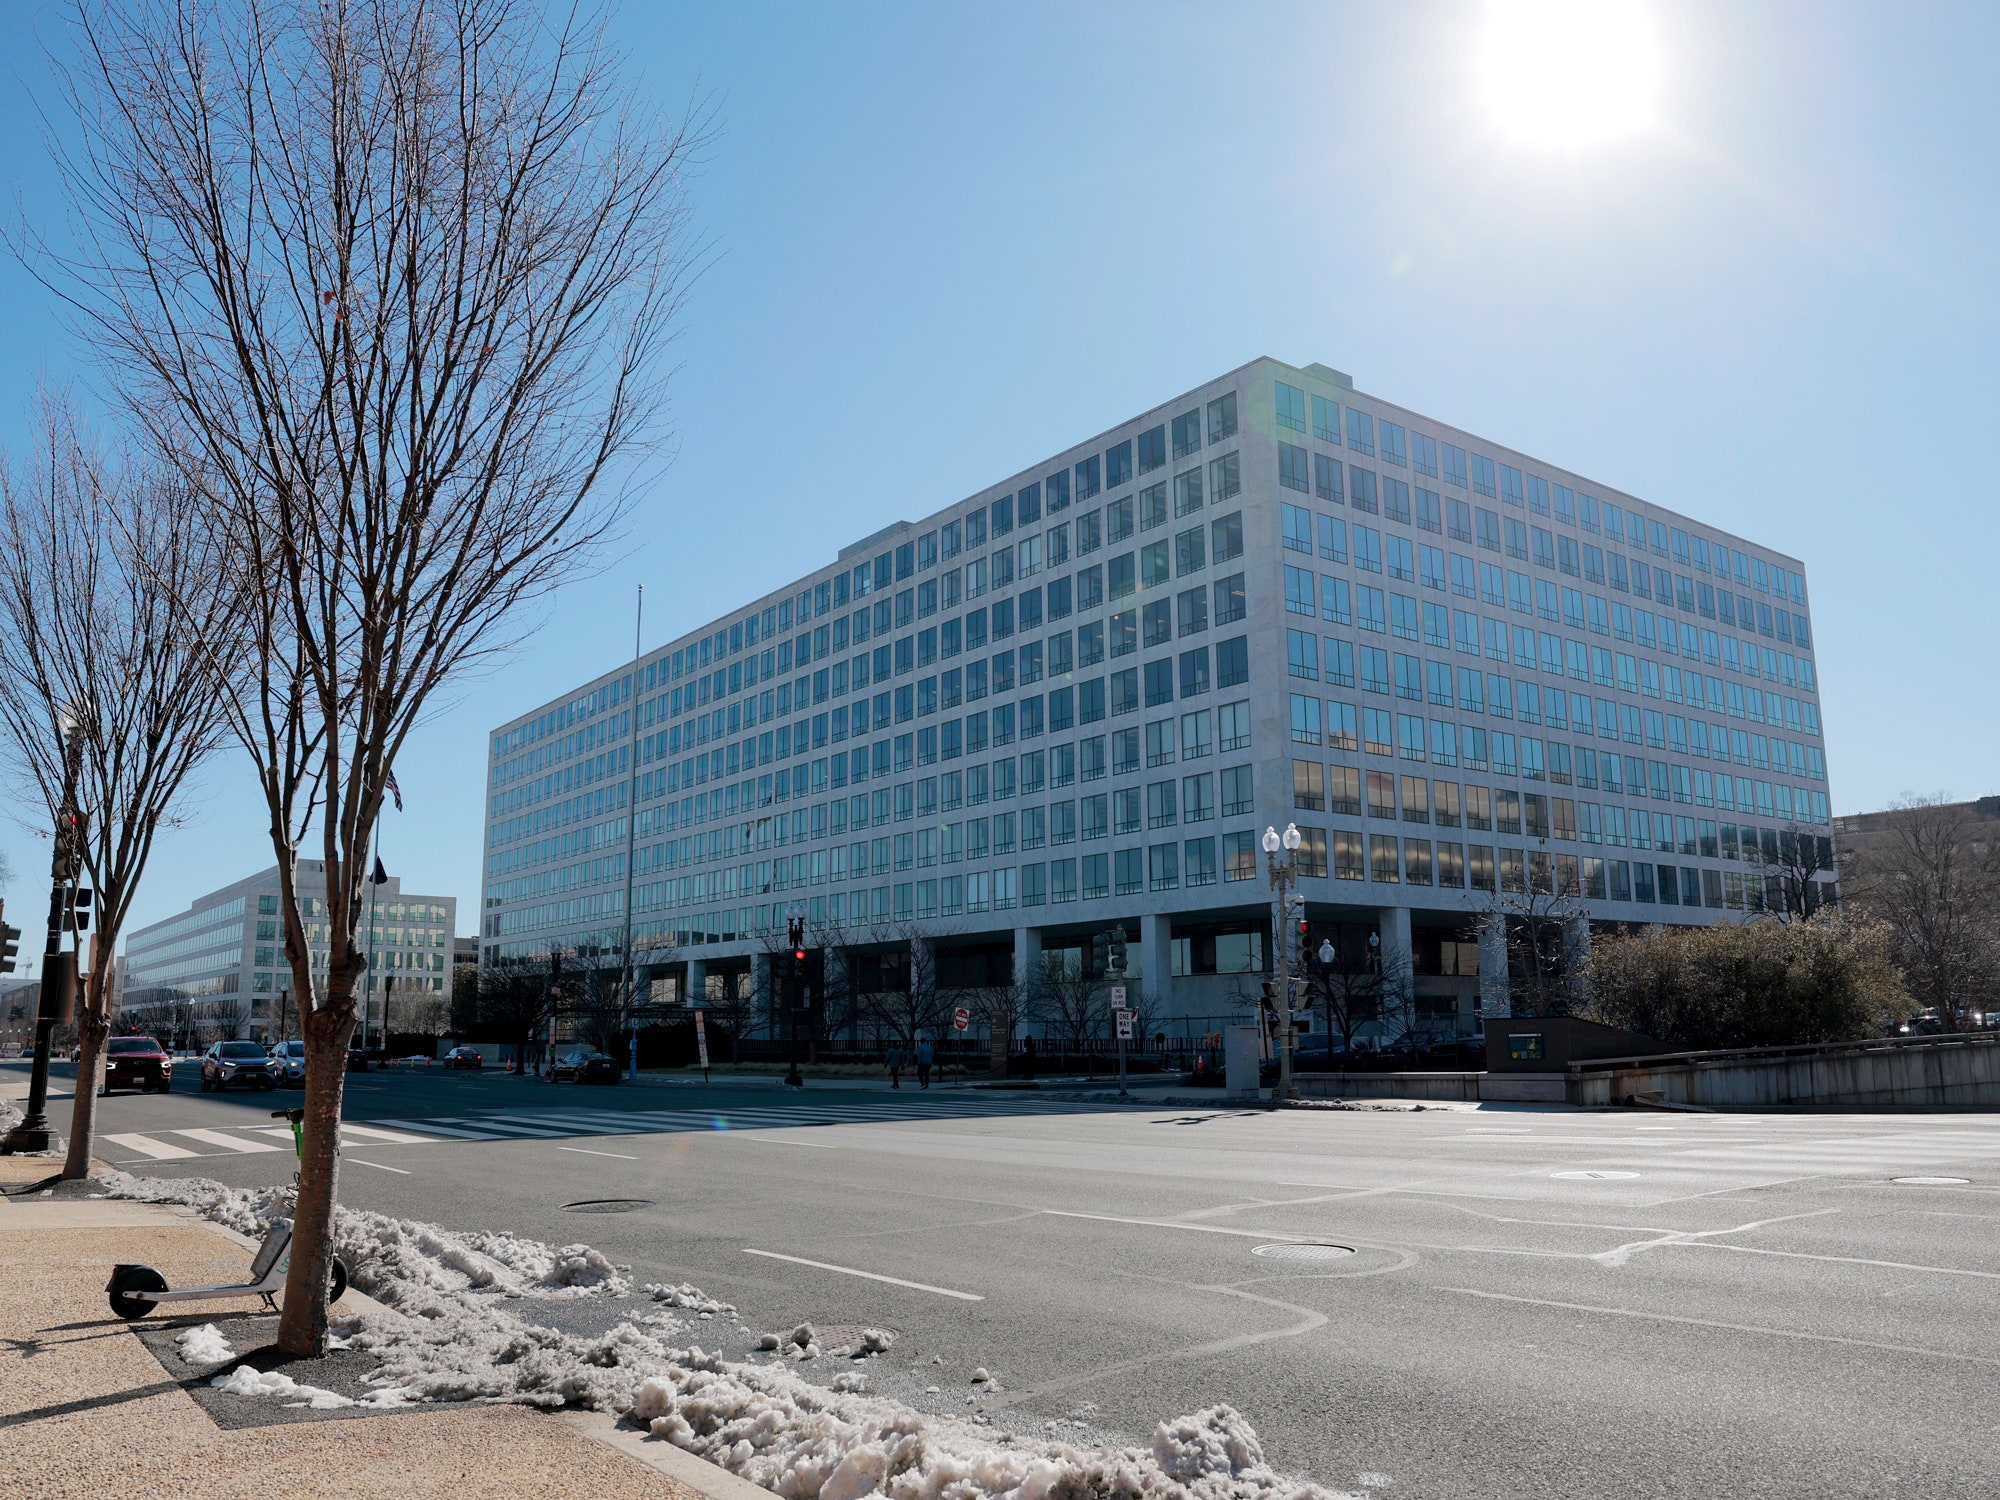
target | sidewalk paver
[{"x": 87, "y": 1410}]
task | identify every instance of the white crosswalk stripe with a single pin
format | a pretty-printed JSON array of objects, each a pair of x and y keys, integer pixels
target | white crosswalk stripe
[
  {"x": 226, "y": 1141},
  {"x": 454, "y": 1132},
  {"x": 149, "y": 1148},
  {"x": 584, "y": 1120}
]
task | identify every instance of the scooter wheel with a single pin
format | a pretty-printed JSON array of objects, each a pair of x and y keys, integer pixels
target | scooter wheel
[
  {"x": 337, "y": 1283},
  {"x": 128, "y": 1287}
]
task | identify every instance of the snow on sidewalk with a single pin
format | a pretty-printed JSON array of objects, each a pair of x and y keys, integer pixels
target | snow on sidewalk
[{"x": 451, "y": 1333}]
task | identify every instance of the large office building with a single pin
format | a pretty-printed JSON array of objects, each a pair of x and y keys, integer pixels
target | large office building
[
  {"x": 1078, "y": 698},
  {"x": 218, "y": 969}
]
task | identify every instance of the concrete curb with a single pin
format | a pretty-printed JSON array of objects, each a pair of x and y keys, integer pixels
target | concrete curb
[{"x": 677, "y": 1464}]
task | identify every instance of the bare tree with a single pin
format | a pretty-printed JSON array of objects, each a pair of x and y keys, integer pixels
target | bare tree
[
  {"x": 225, "y": 1020},
  {"x": 1792, "y": 859},
  {"x": 1360, "y": 986},
  {"x": 1934, "y": 879},
  {"x": 110, "y": 591},
  {"x": 912, "y": 1001},
  {"x": 1539, "y": 914},
  {"x": 391, "y": 278},
  {"x": 516, "y": 997},
  {"x": 1071, "y": 1002}
]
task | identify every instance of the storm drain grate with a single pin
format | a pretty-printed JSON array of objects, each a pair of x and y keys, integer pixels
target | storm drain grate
[
  {"x": 608, "y": 1205},
  {"x": 1303, "y": 1252}
]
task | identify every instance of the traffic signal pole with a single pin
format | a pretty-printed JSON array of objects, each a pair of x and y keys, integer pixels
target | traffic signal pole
[
  {"x": 33, "y": 1135},
  {"x": 795, "y": 984}
]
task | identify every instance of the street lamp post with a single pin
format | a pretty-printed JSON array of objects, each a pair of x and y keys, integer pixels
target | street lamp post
[
  {"x": 33, "y": 1133},
  {"x": 1284, "y": 875}
]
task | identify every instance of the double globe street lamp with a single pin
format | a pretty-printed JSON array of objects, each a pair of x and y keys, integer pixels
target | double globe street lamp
[{"x": 1289, "y": 906}]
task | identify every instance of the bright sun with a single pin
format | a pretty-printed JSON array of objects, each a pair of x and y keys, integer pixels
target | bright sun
[{"x": 1569, "y": 73}]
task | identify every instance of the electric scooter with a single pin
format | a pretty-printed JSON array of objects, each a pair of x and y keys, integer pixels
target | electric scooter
[{"x": 136, "y": 1290}]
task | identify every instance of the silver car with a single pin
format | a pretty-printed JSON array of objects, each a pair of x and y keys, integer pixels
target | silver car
[{"x": 288, "y": 1061}]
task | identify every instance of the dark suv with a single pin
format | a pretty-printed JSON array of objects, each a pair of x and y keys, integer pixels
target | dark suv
[
  {"x": 137, "y": 1062},
  {"x": 243, "y": 1064}
]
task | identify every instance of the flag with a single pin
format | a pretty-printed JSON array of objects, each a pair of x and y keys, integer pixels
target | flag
[
  {"x": 381, "y": 876},
  {"x": 395, "y": 791}
]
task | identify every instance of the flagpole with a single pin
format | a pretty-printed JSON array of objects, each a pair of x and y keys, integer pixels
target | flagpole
[{"x": 631, "y": 832}]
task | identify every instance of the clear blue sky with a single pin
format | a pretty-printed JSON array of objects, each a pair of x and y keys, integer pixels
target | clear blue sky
[{"x": 952, "y": 239}]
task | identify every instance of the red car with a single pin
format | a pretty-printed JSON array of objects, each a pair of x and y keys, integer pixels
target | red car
[{"x": 137, "y": 1062}]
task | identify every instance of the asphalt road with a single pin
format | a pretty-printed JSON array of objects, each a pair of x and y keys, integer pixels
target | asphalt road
[{"x": 1539, "y": 1302}]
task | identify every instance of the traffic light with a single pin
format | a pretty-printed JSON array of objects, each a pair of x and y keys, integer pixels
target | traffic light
[
  {"x": 1118, "y": 949},
  {"x": 79, "y": 908},
  {"x": 1100, "y": 953},
  {"x": 10, "y": 944}
]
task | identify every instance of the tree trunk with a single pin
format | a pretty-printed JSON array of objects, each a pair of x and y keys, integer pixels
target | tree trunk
[
  {"x": 302, "y": 1328},
  {"x": 92, "y": 1026}
]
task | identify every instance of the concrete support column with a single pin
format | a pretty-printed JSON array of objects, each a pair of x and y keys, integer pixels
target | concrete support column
[
  {"x": 1027, "y": 955},
  {"x": 1495, "y": 999},
  {"x": 1156, "y": 960},
  {"x": 1576, "y": 953},
  {"x": 1392, "y": 924},
  {"x": 696, "y": 992}
]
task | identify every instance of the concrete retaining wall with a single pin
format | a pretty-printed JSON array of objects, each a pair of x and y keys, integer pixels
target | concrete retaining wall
[
  {"x": 1463, "y": 1087},
  {"x": 1948, "y": 1072}
]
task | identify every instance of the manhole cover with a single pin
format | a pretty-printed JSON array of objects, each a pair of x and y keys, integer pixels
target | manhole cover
[
  {"x": 1593, "y": 1176},
  {"x": 1935, "y": 1181},
  {"x": 1303, "y": 1252},
  {"x": 607, "y": 1205}
]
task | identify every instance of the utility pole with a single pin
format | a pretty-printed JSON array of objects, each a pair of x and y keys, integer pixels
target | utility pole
[{"x": 33, "y": 1134}]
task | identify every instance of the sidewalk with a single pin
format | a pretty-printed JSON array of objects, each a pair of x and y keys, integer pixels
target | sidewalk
[{"x": 88, "y": 1409}]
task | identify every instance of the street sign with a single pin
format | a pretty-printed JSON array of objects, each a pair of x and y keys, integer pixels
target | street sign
[
  {"x": 1117, "y": 997},
  {"x": 1126, "y": 1019},
  {"x": 701, "y": 1037},
  {"x": 961, "y": 1018}
]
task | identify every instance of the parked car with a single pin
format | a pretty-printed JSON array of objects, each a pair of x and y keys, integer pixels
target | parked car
[
  {"x": 244, "y": 1064},
  {"x": 137, "y": 1062},
  {"x": 288, "y": 1062},
  {"x": 584, "y": 1067},
  {"x": 464, "y": 1057}
]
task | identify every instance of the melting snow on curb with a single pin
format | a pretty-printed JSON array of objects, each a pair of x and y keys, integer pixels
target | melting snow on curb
[
  {"x": 451, "y": 1334},
  {"x": 204, "y": 1345}
]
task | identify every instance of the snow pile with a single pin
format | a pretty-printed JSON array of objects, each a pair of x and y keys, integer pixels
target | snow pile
[
  {"x": 10, "y": 1116},
  {"x": 204, "y": 1345},
  {"x": 449, "y": 1332},
  {"x": 244, "y": 1381},
  {"x": 418, "y": 1267},
  {"x": 693, "y": 1298}
]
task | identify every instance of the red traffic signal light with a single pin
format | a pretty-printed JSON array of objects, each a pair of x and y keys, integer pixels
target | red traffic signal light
[{"x": 798, "y": 955}]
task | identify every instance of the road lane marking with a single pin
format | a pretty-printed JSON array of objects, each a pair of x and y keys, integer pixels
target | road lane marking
[
  {"x": 765, "y": 1140},
  {"x": 1246, "y": 1234},
  {"x": 581, "y": 1152},
  {"x": 942, "y": 1291},
  {"x": 1780, "y": 1333},
  {"x": 146, "y": 1146},
  {"x": 225, "y": 1140},
  {"x": 400, "y": 1172}
]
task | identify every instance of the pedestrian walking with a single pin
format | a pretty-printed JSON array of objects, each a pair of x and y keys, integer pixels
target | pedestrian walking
[
  {"x": 1028, "y": 1059},
  {"x": 923, "y": 1062},
  {"x": 895, "y": 1061}
]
